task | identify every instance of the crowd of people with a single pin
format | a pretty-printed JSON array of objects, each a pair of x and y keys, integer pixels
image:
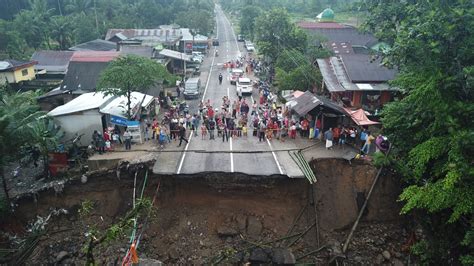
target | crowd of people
[{"x": 237, "y": 118}]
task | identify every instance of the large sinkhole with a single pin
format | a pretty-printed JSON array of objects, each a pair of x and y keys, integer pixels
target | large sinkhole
[{"x": 213, "y": 218}]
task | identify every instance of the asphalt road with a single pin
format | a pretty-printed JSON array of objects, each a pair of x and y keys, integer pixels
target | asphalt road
[{"x": 225, "y": 156}]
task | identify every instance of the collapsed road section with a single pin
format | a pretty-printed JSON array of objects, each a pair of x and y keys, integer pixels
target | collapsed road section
[{"x": 209, "y": 218}]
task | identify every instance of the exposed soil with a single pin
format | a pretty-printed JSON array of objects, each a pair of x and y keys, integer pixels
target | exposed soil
[{"x": 215, "y": 217}]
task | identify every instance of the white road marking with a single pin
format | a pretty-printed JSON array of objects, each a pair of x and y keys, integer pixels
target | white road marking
[
  {"x": 228, "y": 92},
  {"x": 231, "y": 157},
  {"x": 184, "y": 154},
  {"x": 275, "y": 157},
  {"x": 208, "y": 78}
]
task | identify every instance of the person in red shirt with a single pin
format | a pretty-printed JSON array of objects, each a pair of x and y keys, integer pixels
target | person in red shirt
[
  {"x": 336, "y": 133},
  {"x": 305, "y": 128},
  {"x": 210, "y": 112}
]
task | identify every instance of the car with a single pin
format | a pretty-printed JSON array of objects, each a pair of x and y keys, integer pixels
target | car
[
  {"x": 198, "y": 54},
  {"x": 240, "y": 38},
  {"x": 192, "y": 88},
  {"x": 235, "y": 74},
  {"x": 250, "y": 47},
  {"x": 196, "y": 59},
  {"x": 244, "y": 85},
  {"x": 215, "y": 42}
]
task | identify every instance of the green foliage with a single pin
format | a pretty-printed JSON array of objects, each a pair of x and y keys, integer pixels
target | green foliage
[
  {"x": 248, "y": 15},
  {"x": 433, "y": 126},
  {"x": 51, "y": 24},
  {"x": 295, "y": 72},
  {"x": 199, "y": 20},
  {"x": 275, "y": 33},
  {"x": 86, "y": 208},
  {"x": 380, "y": 159},
  {"x": 132, "y": 73}
]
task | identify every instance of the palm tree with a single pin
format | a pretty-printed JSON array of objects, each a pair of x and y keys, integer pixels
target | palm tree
[
  {"x": 22, "y": 124},
  {"x": 61, "y": 31},
  {"x": 79, "y": 6}
]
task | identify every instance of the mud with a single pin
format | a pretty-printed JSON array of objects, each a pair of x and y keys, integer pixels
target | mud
[{"x": 199, "y": 219}]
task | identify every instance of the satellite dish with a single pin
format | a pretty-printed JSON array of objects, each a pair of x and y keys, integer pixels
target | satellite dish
[{"x": 4, "y": 65}]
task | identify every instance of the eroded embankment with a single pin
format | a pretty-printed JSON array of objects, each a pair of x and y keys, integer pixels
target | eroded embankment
[{"x": 198, "y": 218}]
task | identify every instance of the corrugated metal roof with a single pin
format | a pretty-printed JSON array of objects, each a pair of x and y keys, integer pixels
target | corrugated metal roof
[
  {"x": 94, "y": 56},
  {"x": 305, "y": 103},
  {"x": 11, "y": 64},
  {"x": 346, "y": 34},
  {"x": 144, "y": 51},
  {"x": 321, "y": 25},
  {"x": 84, "y": 102},
  {"x": 363, "y": 68},
  {"x": 83, "y": 76},
  {"x": 329, "y": 77},
  {"x": 118, "y": 106},
  {"x": 52, "y": 61},
  {"x": 95, "y": 45},
  {"x": 175, "y": 55}
]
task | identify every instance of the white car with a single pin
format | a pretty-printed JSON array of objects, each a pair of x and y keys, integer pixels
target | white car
[
  {"x": 244, "y": 85},
  {"x": 250, "y": 48}
]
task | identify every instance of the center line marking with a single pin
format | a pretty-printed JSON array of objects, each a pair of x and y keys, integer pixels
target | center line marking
[
  {"x": 231, "y": 157},
  {"x": 184, "y": 154},
  {"x": 275, "y": 157}
]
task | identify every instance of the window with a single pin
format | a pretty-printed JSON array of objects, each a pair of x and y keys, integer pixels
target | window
[{"x": 24, "y": 72}]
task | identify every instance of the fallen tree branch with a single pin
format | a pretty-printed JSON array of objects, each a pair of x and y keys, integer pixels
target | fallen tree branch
[
  {"x": 302, "y": 234},
  {"x": 311, "y": 252}
]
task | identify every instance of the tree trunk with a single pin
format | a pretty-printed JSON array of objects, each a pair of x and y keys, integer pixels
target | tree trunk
[
  {"x": 4, "y": 183},
  {"x": 129, "y": 102}
]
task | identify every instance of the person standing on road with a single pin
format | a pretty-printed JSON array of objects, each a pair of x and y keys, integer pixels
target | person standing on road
[
  {"x": 220, "y": 78},
  {"x": 128, "y": 139},
  {"x": 239, "y": 93},
  {"x": 261, "y": 131},
  {"x": 182, "y": 135},
  {"x": 178, "y": 91},
  {"x": 329, "y": 137},
  {"x": 225, "y": 133},
  {"x": 212, "y": 127}
]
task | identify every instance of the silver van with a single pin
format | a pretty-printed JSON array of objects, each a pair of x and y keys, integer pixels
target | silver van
[{"x": 192, "y": 88}]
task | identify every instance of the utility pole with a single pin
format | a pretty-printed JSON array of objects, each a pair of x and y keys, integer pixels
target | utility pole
[
  {"x": 96, "y": 20},
  {"x": 59, "y": 7}
]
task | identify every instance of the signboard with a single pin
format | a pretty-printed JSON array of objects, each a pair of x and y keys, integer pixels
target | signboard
[
  {"x": 189, "y": 46},
  {"x": 118, "y": 120}
]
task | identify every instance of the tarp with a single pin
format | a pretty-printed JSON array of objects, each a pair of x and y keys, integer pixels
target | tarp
[
  {"x": 84, "y": 102},
  {"x": 360, "y": 118},
  {"x": 118, "y": 106}
]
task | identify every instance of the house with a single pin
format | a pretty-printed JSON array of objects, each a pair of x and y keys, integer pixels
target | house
[
  {"x": 51, "y": 68},
  {"x": 96, "y": 111},
  {"x": 144, "y": 51},
  {"x": 167, "y": 35},
  {"x": 357, "y": 80},
  {"x": 174, "y": 61},
  {"x": 354, "y": 76},
  {"x": 340, "y": 38},
  {"x": 82, "y": 76},
  {"x": 95, "y": 45},
  {"x": 16, "y": 71}
]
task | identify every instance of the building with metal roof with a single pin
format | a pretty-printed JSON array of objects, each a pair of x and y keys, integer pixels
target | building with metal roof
[{"x": 95, "y": 45}]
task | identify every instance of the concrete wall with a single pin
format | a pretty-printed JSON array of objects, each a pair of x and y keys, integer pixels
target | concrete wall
[
  {"x": 80, "y": 123},
  {"x": 19, "y": 77},
  {"x": 6, "y": 76}
]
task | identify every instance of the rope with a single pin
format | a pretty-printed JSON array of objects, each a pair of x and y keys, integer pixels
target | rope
[{"x": 136, "y": 240}]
